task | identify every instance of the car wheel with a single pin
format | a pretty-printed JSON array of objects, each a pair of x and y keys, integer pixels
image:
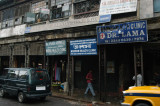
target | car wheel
[
  {"x": 21, "y": 97},
  {"x": 2, "y": 93},
  {"x": 142, "y": 104},
  {"x": 43, "y": 98}
]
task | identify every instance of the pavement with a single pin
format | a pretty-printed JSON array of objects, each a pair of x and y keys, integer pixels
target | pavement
[{"x": 88, "y": 99}]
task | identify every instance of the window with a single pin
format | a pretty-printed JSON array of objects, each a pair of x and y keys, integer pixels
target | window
[
  {"x": 12, "y": 73},
  {"x": 156, "y": 5},
  {"x": 23, "y": 74},
  {"x": 87, "y": 6},
  {"x": 20, "y": 12},
  {"x": 61, "y": 11},
  {"x": 39, "y": 5},
  {"x": 8, "y": 18}
]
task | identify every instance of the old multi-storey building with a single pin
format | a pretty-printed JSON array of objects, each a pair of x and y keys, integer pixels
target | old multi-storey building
[{"x": 114, "y": 38}]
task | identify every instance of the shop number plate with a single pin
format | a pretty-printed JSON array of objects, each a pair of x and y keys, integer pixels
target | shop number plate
[{"x": 40, "y": 88}]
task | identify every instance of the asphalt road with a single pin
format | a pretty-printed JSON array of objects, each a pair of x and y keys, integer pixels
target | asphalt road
[{"x": 50, "y": 101}]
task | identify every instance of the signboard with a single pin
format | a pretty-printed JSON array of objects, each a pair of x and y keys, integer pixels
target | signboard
[
  {"x": 56, "y": 48},
  {"x": 83, "y": 47},
  {"x": 117, "y": 6},
  {"x": 122, "y": 33},
  {"x": 105, "y": 18}
]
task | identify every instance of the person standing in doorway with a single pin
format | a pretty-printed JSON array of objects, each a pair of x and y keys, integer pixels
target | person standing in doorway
[
  {"x": 139, "y": 79},
  {"x": 89, "y": 79}
]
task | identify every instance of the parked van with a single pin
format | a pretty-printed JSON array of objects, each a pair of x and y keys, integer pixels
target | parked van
[{"x": 25, "y": 83}]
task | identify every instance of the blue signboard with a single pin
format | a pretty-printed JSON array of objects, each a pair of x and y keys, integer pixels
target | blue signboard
[
  {"x": 105, "y": 18},
  {"x": 56, "y": 48},
  {"x": 123, "y": 33},
  {"x": 83, "y": 47}
]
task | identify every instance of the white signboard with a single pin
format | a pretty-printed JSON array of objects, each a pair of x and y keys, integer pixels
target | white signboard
[{"x": 117, "y": 6}]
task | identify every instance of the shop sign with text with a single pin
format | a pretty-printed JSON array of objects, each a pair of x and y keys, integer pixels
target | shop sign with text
[
  {"x": 83, "y": 47},
  {"x": 123, "y": 33},
  {"x": 56, "y": 48}
]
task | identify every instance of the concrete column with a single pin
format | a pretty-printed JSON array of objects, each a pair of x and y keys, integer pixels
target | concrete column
[
  {"x": 27, "y": 59},
  {"x": 11, "y": 47}
]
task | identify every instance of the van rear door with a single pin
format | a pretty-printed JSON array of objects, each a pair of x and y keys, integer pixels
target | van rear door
[{"x": 40, "y": 81}]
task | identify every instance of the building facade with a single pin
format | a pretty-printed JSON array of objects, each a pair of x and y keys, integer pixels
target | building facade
[{"x": 41, "y": 33}]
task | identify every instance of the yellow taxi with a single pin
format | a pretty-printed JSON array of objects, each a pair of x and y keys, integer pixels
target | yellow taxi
[{"x": 142, "y": 96}]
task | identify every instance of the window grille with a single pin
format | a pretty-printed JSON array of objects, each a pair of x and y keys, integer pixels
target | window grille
[
  {"x": 20, "y": 12},
  {"x": 87, "y": 8},
  {"x": 61, "y": 11},
  {"x": 38, "y": 5}
]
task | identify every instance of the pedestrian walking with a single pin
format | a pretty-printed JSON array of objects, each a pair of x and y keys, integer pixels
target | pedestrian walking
[{"x": 89, "y": 79}]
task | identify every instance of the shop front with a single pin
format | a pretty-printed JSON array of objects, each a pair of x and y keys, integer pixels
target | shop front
[
  {"x": 56, "y": 52},
  {"x": 85, "y": 58},
  {"x": 17, "y": 58},
  {"x": 121, "y": 56},
  {"x": 36, "y": 54},
  {"x": 4, "y": 57}
]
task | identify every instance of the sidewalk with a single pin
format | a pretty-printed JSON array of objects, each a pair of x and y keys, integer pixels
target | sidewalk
[{"x": 92, "y": 101}]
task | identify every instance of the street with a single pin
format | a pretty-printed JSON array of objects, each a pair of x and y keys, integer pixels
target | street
[{"x": 50, "y": 101}]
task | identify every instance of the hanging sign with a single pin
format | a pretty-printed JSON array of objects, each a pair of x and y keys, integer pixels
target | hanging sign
[
  {"x": 83, "y": 47},
  {"x": 123, "y": 33},
  {"x": 56, "y": 48}
]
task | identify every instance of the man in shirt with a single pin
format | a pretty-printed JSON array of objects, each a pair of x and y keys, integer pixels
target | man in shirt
[
  {"x": 139, "y": 79},
  {"x": 89, "y": 78}
]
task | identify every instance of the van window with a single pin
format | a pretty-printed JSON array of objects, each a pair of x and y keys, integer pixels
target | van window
[
  {"x": 12, "y": 73},
  {"x": 39, "y": 75},
  {"x": 23, "y": 74}
]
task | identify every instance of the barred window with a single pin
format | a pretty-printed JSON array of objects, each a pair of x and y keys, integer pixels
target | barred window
[
  {"x": 21, "y": 10},
  {"x": 87, "y": 6},
  {"x": 8, "y": 14},
  {"x": 60, "y": 9},
  {"x": 38, "y": 5},
  {"x": 7, "y": 19}
]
